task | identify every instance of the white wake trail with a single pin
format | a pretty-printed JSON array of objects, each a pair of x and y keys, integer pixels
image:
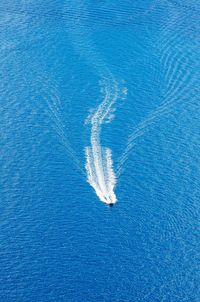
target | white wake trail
[{"x": 99, "y": 165}]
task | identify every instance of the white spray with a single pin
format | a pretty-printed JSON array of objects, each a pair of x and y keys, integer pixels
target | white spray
[{"x": 99, "y": 165}]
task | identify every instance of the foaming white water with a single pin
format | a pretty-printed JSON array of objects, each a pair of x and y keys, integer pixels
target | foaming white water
[
  {"x": 99, "y": 164},
  {"x": 100, "y": 172}
]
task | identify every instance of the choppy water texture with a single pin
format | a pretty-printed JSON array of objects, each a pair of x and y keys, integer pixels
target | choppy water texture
[{"x": 99, "y": 104}]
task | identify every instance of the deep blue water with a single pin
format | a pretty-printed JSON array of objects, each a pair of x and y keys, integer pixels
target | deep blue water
[{"x": 59, "y": 242}]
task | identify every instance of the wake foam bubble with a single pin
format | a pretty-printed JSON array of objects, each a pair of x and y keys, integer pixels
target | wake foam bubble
[
  {"x": 100, "y": 173},
  {"x": 99, "y": 164}
]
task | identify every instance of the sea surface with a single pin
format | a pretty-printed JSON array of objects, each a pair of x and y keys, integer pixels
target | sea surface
[{"x": 99, "y": 104}]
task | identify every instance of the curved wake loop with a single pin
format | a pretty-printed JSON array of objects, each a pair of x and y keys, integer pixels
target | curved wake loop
[{"x": 99, "y": 164}]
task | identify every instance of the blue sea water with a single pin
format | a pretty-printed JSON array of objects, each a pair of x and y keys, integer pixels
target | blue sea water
[{"x": 59, "y": 242}]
